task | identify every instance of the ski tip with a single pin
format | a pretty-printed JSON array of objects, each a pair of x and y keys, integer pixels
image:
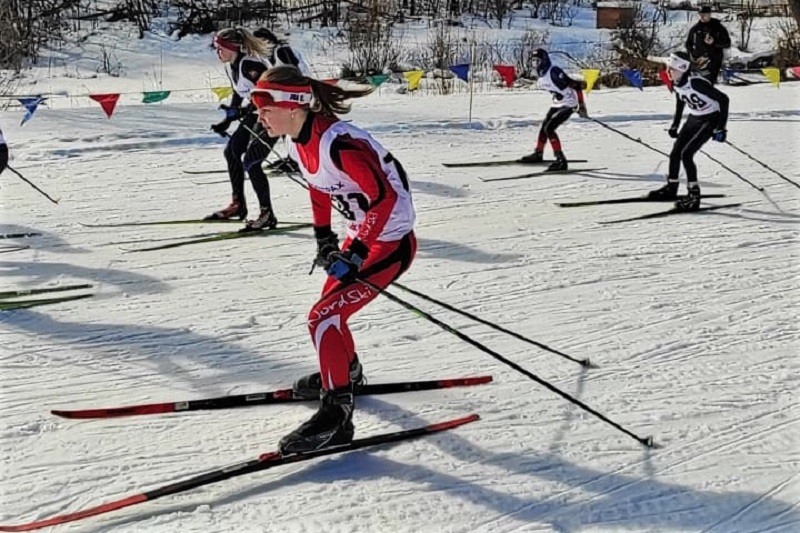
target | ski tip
[{"x": 450, "y": 424}]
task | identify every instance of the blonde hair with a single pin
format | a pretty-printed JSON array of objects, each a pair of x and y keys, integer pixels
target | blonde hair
[
  {"x": 328, "y": 99},
  {"x": 249, "y": 43}
]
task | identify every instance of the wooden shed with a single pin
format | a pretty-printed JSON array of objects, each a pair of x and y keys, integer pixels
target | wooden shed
[{"x": 612, "y": 15}]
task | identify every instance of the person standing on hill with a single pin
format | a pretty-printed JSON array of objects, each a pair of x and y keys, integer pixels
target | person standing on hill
[
  {"x": 708, "y": 117},
  {"x": 249, "y": 145},
  {"x": 567, "y": 96},
  {"x": 706, "y": 43},
  {"x": 342, "y": 163}
]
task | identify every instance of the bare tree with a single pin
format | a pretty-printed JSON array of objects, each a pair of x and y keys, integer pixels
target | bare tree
[
  {"x": 371, "y": 43},
  {"x": 746, "y": 17}
]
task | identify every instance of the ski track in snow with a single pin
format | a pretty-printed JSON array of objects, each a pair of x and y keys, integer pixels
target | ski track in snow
[{"x": 692, "y": 320}]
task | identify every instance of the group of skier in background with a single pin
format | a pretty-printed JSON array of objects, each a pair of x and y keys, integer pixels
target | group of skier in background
[
  {"x": 343, "y": 164},
  {"x": 347, "y": 170}
]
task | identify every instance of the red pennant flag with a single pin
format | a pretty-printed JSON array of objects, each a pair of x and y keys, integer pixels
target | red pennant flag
[
  {"x": 796, "y": 72},
  {"x": 665, "y": 78},
  {"x": 331, "y": 81},
  {"x": 107, "y": 101},
  {"x": 508, "y": 73}
]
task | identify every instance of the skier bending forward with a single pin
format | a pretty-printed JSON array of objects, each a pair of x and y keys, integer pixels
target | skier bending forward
[{"x": 341, "y": 163}]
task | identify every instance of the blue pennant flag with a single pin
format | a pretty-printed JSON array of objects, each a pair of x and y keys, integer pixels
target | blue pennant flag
[
  {"x": 30, "y": 104},
  {"x": 634, "y": 77},
  {"x": 461, "y": 71}
]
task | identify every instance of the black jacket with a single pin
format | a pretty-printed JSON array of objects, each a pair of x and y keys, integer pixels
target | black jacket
[{"x": 696, "y": 40}]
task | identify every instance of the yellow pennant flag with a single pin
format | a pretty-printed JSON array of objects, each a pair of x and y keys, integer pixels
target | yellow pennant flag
[
  {"x": 590, "y": 75},
  {"x": 413, "y": 77},
  {"x": 773, "y": 75},
  {"x": 222, "y": 92}
]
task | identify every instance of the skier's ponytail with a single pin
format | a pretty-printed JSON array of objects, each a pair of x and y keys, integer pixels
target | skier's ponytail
[{"x": 247, "y": 42}]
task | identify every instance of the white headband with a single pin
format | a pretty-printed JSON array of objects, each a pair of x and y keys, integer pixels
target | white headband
[{"x": 677, "y": 63}]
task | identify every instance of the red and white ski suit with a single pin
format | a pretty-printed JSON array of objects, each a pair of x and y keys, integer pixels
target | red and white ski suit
[{"x": 345, "y": 164}]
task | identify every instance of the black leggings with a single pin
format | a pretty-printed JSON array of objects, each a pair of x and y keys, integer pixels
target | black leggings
[
  {"x": 555, "y": 117},
  {"x": 693, "y": 135},
  {"x": 242, "y": 143}
]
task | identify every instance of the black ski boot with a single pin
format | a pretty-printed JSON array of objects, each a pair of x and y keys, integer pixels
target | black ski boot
[
  {"x": 266, "y": 220},
  {"x": 235, "y": 209},
  {"x": 559, "y": 164},
  {"x": 535, "y": 157},
  {"x": 690, "y": 202},
  {"x": 310, "y": 387},
  {"x": 667, "y": 192},
  {"x": 332, "y": 425}
]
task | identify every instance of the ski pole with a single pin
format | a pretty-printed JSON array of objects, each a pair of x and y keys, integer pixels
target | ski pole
[
  {"x": 628, "y": 136},
  {"x": 729, "y": 169},
  {"x": 646, "y": 441},
  {"x": 29, "y": 182},
  {"x": 583, "y": 362},
  {"x": 761, "y": 163}
]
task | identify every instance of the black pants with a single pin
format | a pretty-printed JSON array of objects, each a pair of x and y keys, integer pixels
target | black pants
[
  {"x": 243, "y": 143},
  {"x": 3, "y": 157},
  {"x": 555, "y": 117},
  {"x": 693, "y": 135}
]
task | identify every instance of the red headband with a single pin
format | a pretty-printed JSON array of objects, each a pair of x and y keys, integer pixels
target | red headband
[
  {"x": 221, "y": 42},
  {"x": 286, "y": 96}
]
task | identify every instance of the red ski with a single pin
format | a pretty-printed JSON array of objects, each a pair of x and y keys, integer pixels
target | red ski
[
  {"x": 263, "y": 462},
  {"x": 263, "y": 398}
]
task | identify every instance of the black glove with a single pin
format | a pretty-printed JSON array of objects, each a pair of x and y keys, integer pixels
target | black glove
[
  {"x": 221, "y": 129},
  {"x": 344, "y": 265},
  {"x": 673, "y": 132},
  {"x": 325, "y": 246},
  {"x": 720, "y": 134}
]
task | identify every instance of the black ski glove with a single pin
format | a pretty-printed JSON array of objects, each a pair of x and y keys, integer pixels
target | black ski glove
[
  {"x": 327, "y": 243},
  {"x": 345, "y": 265},
  {"x": 221, "y": 129},
  {"x": 673, "y": 132}
]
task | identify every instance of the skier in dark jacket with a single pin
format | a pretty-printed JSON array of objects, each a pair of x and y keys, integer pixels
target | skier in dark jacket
[
  {"x": 249, "y": 145},
  {"x": 708, "y": 118},
  {"x": 705, "y": 43}
]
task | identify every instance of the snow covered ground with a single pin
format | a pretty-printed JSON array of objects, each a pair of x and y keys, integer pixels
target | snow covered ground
[{"x": 692, "y": 320}]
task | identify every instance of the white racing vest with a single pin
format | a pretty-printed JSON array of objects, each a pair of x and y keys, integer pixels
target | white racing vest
[
  {"x": 568, "y": 96},
  {"x": 698, "y": 103},
  {"x": 301, "y": 63},
  {"x": 348, "y": 195},
  {"x": 243, "y": 85}
]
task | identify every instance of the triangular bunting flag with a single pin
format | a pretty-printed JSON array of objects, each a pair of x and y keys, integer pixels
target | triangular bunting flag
[
  {"x": 508, "y": 73},
  {"x": 331, "y": 81},
  {"x": 634, "y": 77},
  {"x": 30, "y": 104},
  {"x": 107, "y": 101},
  {"x": 152, "y": 97},
  {"x": 222, "y": 92},
  {"x": 795, "y": 72},
  {"x": 462, "y": 71},
  {"x": 413, "y": 77},
  {"x": 773, "y": 75},
  {"x": 666, "y": 79},
  {"x": 590, "y": 75},
  {"x": 378, "y": 79}
]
